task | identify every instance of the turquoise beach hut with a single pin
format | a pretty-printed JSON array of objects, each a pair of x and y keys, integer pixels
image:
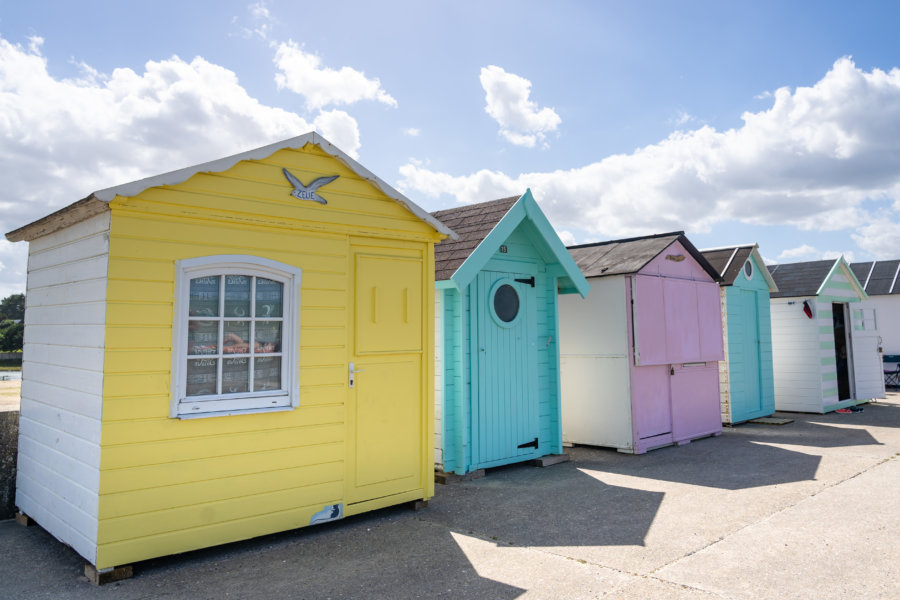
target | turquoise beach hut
[
  {"x": 746, "y": 381},
  {"x": 497, "y": 347}
]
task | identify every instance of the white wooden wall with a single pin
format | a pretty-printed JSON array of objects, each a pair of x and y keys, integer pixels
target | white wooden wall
[
  {"x": 62, "y": 383},
  {"x": 796, "y": 356},
  {"x": 724, "y": 372},
  {"x": 438, "y": 380},
  {"x": 887, "y": 312},
  {"x": 594, "y": 362}
]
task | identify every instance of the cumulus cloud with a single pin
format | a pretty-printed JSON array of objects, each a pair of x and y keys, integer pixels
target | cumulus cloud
[
  {"x": 412, "y": 131},
  {"x": 797, "y": 254},
  {"x": 881, "y": 238},
  {"x": 61, "y": 139},
  {"x": 303, "y": 73},
  {"x": 507, "y": 98},
  {"x": 811, "y": 160}
]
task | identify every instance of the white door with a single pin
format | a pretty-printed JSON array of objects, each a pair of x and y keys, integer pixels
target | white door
[{"x": 866, "y": 351}]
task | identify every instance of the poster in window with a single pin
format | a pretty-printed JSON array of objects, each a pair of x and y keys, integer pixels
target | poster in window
[
  {"x": 204, "y": 297},
  {"x": 237, "y": 295},
  {"x": 201, "y": 376},
  {"x": 268, "y": 336},
  {"x": 267, "y": 373},
  {"x": 269, "y": 298},
  {"x": 236, "y": 338},
  {"x": 235, "y": 375},
  {"x": 203, "y": 337}
]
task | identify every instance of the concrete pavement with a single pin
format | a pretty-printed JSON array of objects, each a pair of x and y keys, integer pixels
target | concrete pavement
[{"x": 806, "y": 510}]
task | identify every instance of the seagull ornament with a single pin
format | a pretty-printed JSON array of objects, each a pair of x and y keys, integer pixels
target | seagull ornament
[{"x": 308, "y": 192}]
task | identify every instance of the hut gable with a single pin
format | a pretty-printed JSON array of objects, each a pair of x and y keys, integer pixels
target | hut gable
[
  {"x": 730, "y": 261},
  {"x": 816, "y": 278},
  {"x": 631, "y": 255},
  {"x": 483, "y": 228}
]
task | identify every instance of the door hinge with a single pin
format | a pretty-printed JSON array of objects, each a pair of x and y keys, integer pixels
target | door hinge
[
  {"x": 529, "y": 281},
  {"x": 532, "y": 444}
]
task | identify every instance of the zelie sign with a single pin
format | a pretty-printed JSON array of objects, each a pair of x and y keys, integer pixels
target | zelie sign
[{"x": 308, "y": 192}]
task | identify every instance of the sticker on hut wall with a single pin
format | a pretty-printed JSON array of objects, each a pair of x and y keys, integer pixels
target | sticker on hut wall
[
  {"x": 308, "y": 192},
  {"x": 675, "y": 257},
  {"x": 332, "y": 512}
]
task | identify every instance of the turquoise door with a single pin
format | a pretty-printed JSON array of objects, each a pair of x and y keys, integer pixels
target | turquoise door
[
  {"x": 505, "y": 425},
  {"x": 744, "y": 360}
]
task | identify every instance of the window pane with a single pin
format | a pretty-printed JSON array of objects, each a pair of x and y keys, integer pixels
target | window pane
[
  {"x": 204, "y": 300},
  {"x": 203, "y": 337},
  {"x": 269, "y": 296},
  {"x": 268, "y": 336},
  {"x": 267, "y": 373},
  {"x": 235, "y": 375},
  {"x": 236, "y": 338},
  {"x": 506, "y": 303},
  {"x": 201, "y": 376},
  {"x": 237, "y": 296}
]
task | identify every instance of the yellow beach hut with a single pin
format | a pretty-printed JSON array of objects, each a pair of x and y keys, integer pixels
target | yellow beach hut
[{"x": 233, "y": 349}]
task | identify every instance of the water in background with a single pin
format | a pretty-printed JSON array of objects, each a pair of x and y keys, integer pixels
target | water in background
[{"x": 10, "y": 375}]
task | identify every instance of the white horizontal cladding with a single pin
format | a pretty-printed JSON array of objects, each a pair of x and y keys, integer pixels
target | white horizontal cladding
[
  {"x": 73, "y": 292},
  {"x": 74, "y": 336},
  {"x": 85, "y": 313},
  {"x": 62, "y": 385},
  {"x": 64, "y": 356},
  {"x": 93, "y": 268},
  {"x": 98, "y": 225},
  {"x": 796, "y": 356},
  {"x": 47, "y": 394},
  {"x": 94, "y": 245}
]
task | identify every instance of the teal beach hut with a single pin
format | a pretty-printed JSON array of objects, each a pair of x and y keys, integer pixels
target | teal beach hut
[
  {"x": 746, "y": 381},
  {"x": 497, "y": 390}
]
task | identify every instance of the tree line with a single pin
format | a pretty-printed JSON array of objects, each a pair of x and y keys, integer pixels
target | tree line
[{"x": 12, "y": 322}]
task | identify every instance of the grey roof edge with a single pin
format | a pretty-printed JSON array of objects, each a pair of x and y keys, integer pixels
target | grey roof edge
[
  {"x": 223, "y": 164},
  {"x": 754, "y": 251},
  {"x": 679, "y": 237}
]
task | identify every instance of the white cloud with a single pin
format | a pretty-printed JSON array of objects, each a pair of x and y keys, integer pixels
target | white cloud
[
  {"x": 508, "y": 102},
  {"x": 61, "y": 139},
  {"x": 810, "y": 160},
  {"x": 412, "y": 131},
  {"x": 567, "y": 237},
  {"x": 261, "y": 21},
  {"x": 881, "y": 238},
  {"x": 303, "y": 73},
  {"x": 797, "y": 254},
  {"x": 834, "y": 254}
]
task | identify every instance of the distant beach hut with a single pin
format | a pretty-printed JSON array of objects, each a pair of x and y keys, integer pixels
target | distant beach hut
[
  {"x": 497, "y": 390},
  {"x": 825, "y": 340},
  {"x": 746, "y": 380},
  {"x": 640, "y": 354}
]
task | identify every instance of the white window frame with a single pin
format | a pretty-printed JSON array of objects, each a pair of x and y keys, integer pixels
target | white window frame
[{"x": 286, "y": 398}]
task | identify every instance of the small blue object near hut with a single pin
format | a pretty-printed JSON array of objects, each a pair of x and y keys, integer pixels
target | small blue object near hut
[
  {"x": 497, "y": 355},
  {"x": 826, "y": 346},
  {"x": 746, "y": 380}
]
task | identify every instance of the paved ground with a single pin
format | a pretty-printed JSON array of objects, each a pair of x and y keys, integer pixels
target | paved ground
[{"x": 806, "y": 510}]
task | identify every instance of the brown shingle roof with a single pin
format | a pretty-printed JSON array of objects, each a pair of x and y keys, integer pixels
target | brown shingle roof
[
  {"x": 472, "y": 223},
  {"x": 720, "y": 257}
]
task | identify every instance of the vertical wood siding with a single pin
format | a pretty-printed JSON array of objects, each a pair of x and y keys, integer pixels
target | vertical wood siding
[
  {"x": 170, "y": 485},
  {"x": 796, "y": 356},
  {"x": 438, "y": 381},
  {"x": 60, "y": 425},
  {"x": 596, "y": 394}
]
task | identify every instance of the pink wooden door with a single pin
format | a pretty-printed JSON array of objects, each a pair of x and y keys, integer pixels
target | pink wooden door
[
  {"x": 651, "y": 408},
  {"x": 649, "y": 315},
  {"x": 695, "y": 400}
]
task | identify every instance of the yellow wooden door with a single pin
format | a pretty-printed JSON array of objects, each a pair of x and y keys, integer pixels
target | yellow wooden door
[{"x": 386, "y": 408}]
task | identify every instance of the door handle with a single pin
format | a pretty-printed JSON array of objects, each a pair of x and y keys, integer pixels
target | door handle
[{"x": 352, "y": 373}]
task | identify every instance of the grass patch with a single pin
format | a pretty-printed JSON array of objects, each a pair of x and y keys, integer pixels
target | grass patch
[{"x": 16, "y": 368}]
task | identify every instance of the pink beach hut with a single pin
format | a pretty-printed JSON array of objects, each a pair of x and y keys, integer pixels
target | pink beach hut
[{"x": 639, "y": 356}]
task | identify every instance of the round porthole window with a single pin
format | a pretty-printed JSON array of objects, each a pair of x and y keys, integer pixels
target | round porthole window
[
  {"x": 748, "y": 269},
  {"x": 506, "y": 303}
]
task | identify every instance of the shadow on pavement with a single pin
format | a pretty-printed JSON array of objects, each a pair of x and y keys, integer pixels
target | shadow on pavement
[{"x": 557, "y": 506}]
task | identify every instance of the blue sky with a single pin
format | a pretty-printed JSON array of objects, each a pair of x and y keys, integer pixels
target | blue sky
[{"x": 773, "y": 122}]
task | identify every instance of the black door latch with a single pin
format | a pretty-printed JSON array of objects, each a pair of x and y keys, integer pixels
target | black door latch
[
  {"x": 529, "y": 281},
  {"x": 531, "y": 444}
]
